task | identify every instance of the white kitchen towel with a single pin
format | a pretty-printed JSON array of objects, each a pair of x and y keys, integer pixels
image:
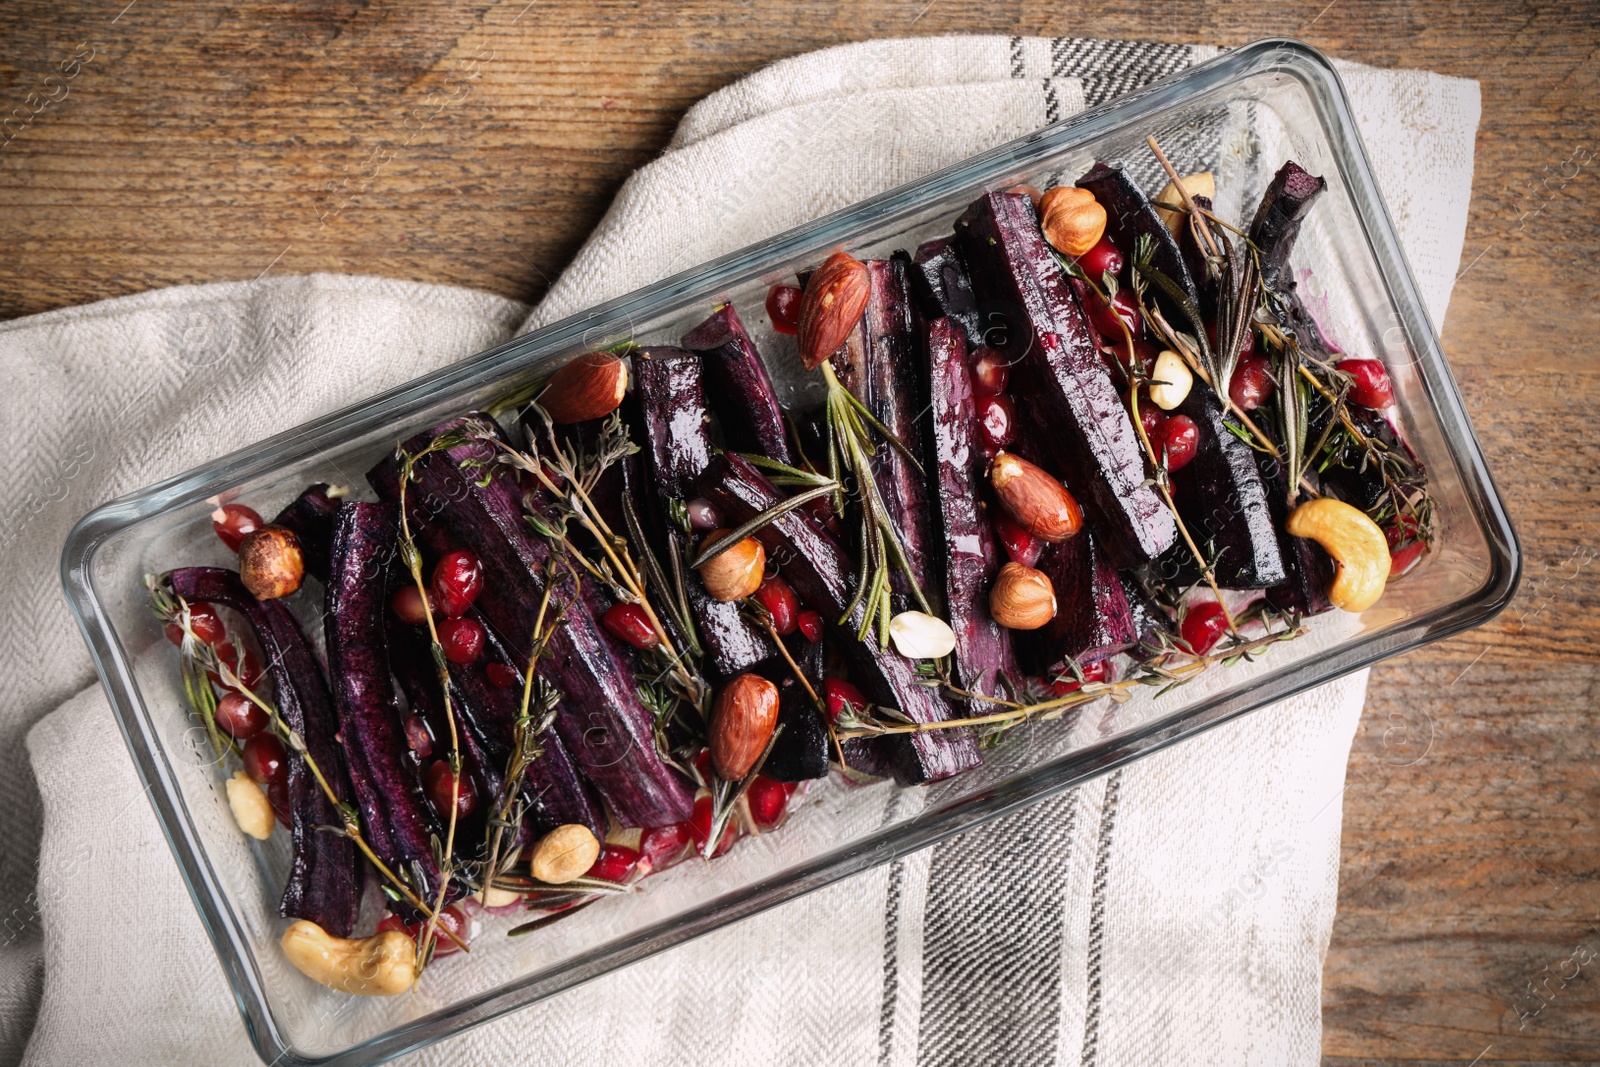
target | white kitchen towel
[{"x": 1174, "y": 912}]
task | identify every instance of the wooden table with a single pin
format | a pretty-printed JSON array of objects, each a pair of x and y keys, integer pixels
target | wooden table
[{"x": 195, "y": 142}]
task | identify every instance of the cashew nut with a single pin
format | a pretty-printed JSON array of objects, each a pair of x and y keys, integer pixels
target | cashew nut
[
  {"x": 564, "y": 853},
  {"x": 1355, "y": 543},
  {"x": 377, "y": 966},
  {"x": 250, "y": 806}
]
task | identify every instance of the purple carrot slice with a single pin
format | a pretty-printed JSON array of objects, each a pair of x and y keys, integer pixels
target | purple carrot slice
[
  {"x": 1093, "y": 621},
  {"x": 606, "y": 730},
  {"x": 970, "y": 556},
  {"x": 309, "y": 517},
  {"x": 1064, "y": 387},
  {"x": 325, "y": 883},
  {"x": 801, "y": 751},
  {"x": 1150, "y": 620},
  {"x": 1277, "y": 223},
  {"x": 822, "y": 574},
  {"x": 399, "y": 822},
  {"x": 739, "y": 389},
  {"x": 943, "y": 288},
  {"x": 672, "y": 403},
  {"x": 1129, "y": 217}
]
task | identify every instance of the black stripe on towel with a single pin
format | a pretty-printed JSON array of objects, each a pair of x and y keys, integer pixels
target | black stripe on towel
[{"x": 1097, "y": 921}]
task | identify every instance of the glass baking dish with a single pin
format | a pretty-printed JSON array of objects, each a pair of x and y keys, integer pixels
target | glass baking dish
[{"x": 1240, "y": 116}]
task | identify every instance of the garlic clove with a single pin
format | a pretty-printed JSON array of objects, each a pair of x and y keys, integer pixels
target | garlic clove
[
  {"x": 918, "y": 635},
  {"x": 1170, "y": 380}
]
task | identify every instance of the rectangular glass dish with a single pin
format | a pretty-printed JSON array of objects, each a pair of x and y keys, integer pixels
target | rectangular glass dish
[{"x": 1240, "y": 116}]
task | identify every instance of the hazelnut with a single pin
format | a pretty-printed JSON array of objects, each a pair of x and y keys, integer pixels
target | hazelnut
[
  {"x": 1022, "y": 598},
  {"x": 734, "y": 573},
  {"x": 1072, "y": 219},
  {"x": 270, "y": 562}
]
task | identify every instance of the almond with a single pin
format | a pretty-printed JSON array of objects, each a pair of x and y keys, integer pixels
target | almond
[
  {"x": 1022, "y": 598},
  {"x": 742, "y": 722},
  {"x": 271, "y": 564},
  {"x": 1035, "y": 498},
  {"x": 1072, "y": 219},
  {"x": 832, "y": 304},
  {"x": 735, "y": 573},
  {"x": 590, "y": 387}
]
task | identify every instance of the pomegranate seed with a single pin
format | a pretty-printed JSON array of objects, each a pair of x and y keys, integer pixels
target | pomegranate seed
[
  {"x": 1251, "y": 383},
  {"x": 1104, "y": 258},
  {"x": 810, "y": 624},
  {"x": 265, "y": 760},
  {"x": 628, "y": 622},
  {"x": 204, "y": 621},
  {"x": 990, "y": 371},
  {"x": 503, "y": 676},
  {"x": 1203, "y": 626},
  {"x": 768, "y": 800},
  {"x": 1124, "y": 307},
  {"x": 616, "y": 864},
  {"x": 783, "y": 308},
  {"x": 457, "y": 581},
  {"x": 1143, "y": 351},
  {"x": 840, "y": 694},
  {"x": 661, "y": 847},
  {"x": 1020, "y": 545},
  {"x": 703, "y": 515},
  {"x": 452, "y": 918},
  {"x": 278, "y": 797},
  {"x": 418, "y": 737},
  {"x": 1403, "y": 559},
  {"x": 1092, "y": 672},
  {"x": 1153, "y": 419},
  {"x": 699, "y": 825},
  {"x": 463, "y": 640},
  {"x": 248, "y": 671},
  {"x": 240, "y": 716},
  {"x": 233, "y": 521},
  {"x": 1405, "y": 528},
  {"x": 702, "y": 765},
  {"x": 409, "y": 606},
  {"x": 1181, "y": 439},
  {"x": 1372, "y": 388},
  {"x": 439, "y": 780},
  {"x": 997, "y": 422},
  {"x": 778, "y": 598}
]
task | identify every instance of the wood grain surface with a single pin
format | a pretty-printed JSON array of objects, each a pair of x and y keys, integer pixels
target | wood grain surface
[{"x": 477, "y": 143}]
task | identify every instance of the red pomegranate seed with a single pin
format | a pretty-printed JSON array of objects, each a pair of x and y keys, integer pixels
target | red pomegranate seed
[
  {"x": 452, "y": 918},
  {"x": 1124, "y": 306},
  {"x": 699, "y": 825},
  {"x": 616, "y": 864},
  {"x": 1020, "y": 545},
  {"x": 240, "y": 716},
  {"x": 661, "y": 847},
  {"x": 840, "y": 694},
  {"x": 1153, "y": 419},
  {"x": 768, "y": 800},
  {"x": 1372, "y": 388},
  {"x": 1251, "y": 383},
  {"x": 278, "y": 797},
  {"x": 265, "y": 760},
  {"x": 990, "y": 371},
  {"x": 503, "y": 676},
  {"x": 204, "y": 621},
  {"x": 1104, "y": 258},
  {"x": 1403, "y": 559},
  {"x": 418, "y": 737},
  {"x": 628, "y": 622},
  {"x": 702, "y": 765},
  {"x": 1181, "y": 439},
  {"x": 810, "y": 624},
  {"x": 997, "y": 422},
  {"x": 1143, "y": 351},
  {"x": 778, "y": 598},
  {"x": 1203, "y": 626},
  {"x": 703, "y": 515},
  {"x": 1404, "y": 528},
  {"x": 233, "y": 521},
  {"x": 783, "y": 308},
  {"x": 408, "y": 605},
  {"x": 457, "y": 581},
  {"x": 438, "y": 780},
  {"x": 248, "y": 671},
  {"x": 463, "y": 640},
  {"x": 1092, "y": 672}
]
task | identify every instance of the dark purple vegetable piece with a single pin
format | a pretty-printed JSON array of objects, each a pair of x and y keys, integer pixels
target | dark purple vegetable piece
[
  {"x": 399, "y": 823},
  {"x": 1130, "y": 216},
  {"x": 1093, "y": 621},
  {"x": 943, "y": 289},
  {"x": 1277, "y": 223},
  {"x": 1150, "y": 620},
  {"x": 678, "y": 443},
  {"x": 801, "y": 750},
  {"x": 606, "y": 730},
  {"x": 1064, "y": 387},
  {"x": 309, "y": 517},
  {"x": 1308, "y": 569},
  {"x": 822, "y": 575},
  {"x": 966, "y": 544},
  {"x": 324, "y": 884},
  {"x": 738, "y": 387}
]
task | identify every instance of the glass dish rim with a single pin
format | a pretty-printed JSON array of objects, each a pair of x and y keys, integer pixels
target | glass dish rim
[{"x": 1295, "y": 59}]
